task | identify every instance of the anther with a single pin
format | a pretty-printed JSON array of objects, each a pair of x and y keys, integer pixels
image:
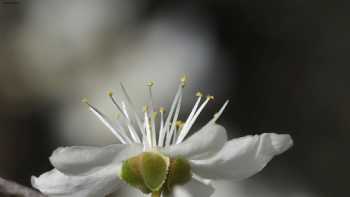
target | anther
[
  {"x": 199, "y": 94},
  {"x": 154, "y": 115},
  {"x": 179, "y": 124},
  {"x": 145, "y": 108},
  {"x": 150, "y": 83},
  {"x": 210, "y": 97},
  {"x": 183, "y": 80},
  {"x": 85, "y": 100},
  {"x": 110, "y": 93},
  {"x": 161, "y": 109}
]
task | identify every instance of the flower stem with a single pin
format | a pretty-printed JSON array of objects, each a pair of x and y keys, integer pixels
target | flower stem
[{"x": 155, "y": 194}]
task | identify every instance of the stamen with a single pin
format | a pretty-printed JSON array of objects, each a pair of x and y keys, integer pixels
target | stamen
[
  {"x": 114, "y": 100},
  {"x": 147, "y": 127},
  {"x": 165, "y": 129},
  {"x": 154, "y": 134},
  {"x": 185, "y": 131},
  {"x": 219, "y": 113},
  {"x": 183, "y": 80},
  {"x": 132, "y": 108},
  {"x": 153, "y": 116},
  {"x": 178, "y": 128},
  {"x": 124, "y": 112},
  {"x": 104, "y": 120},
  {"x": 199, "y": 94},
  {"x": 161, "y": 126},
  {"x": 189, "y": 118},
  {"x": 179, "y": 124},
  {"x": 122, "y": 129},
  {"x": 127, "y": 121},
  {"x": 210, "y": 97},
  {"x": 150, "y": 83},
  {"x": 171, "y": 130},
  {"x": 173, "y": 125}
]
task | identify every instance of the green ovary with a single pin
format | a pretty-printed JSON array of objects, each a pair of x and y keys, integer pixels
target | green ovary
[{"x": 152, "y": 172}]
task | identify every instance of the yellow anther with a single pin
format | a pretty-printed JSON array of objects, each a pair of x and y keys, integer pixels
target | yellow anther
[
  {"x": 210, "y": 97},
  {"x": 199, "y": 94},
  {"x": 161, "y": 109},
  {"x": 110, "y": 93},
  {"x": 150, "y": 83},
  {"x": 154, "y": 115},
  {"x": 183, "y": 80},
  {"x": 85, "y": 100},
  {"x": 179, "y": 124},
  {"x": 145, "y": 108}
]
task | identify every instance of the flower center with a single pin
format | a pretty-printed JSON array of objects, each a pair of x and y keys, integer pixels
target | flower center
[{"x": 152, "y": 172}]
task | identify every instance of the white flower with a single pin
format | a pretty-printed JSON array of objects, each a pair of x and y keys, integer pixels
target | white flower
[{"x": 163, "y": 161}]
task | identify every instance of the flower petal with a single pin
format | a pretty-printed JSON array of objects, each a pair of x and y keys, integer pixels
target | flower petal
[
  {"x": 79, "y": 160},
  {"x": 193, "y": 188},
  {"x": 100, "y": 183},
  {"x": 242, "y": 157},
  {"x": 207, "y": 140}
]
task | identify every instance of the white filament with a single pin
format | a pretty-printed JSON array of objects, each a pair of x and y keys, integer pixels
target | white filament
[
  {"x": 173, "y": 125},
  {"x": 169, "y": 131},
  {"x": 192, "y": 121},
  {"x": 132, "y": 131},
  {"x": 161, "y": 126},
  {"x": 132, "y": 109},
  {"x": 104, "y": 120},
  {"x": 189, "y": 118},
  {"x": 165, "y": 129},
  {"x": 152, "y": 115}
]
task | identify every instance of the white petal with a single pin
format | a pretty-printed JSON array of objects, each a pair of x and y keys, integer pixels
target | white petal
[
  {"x": 242, "y": 157},
  {"x": 79, "y": 160},
  {"x": 100, "y": 183},
  {"x": 207, "y": 140},
  {"x": 193, "y": 188}
]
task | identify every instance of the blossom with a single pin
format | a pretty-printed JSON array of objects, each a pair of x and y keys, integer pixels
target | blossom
[{"x": 157, "y": 155}]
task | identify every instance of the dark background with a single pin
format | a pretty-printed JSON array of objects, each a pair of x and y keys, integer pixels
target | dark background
[{"x": 285, "y": 68}]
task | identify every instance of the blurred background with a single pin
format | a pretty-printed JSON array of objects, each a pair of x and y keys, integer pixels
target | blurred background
[{"x": 283, "y": 64}]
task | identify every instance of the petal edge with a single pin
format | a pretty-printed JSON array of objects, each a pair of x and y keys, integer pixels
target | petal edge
[{"x": 242, "y": 157}]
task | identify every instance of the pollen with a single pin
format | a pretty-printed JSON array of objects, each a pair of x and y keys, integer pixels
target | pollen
[
  {"x": 109, "y": 93},
  {"x": 154, "y": 115},
  {"x": 183, "y": 80},
  {"x": 152, "y": 172},
  {"x": 150, "y": 83},
  {"x": 85, "y": 100},
  {"x": 210, "y": 97},
  {"x": 199, "y": 94},
  {"x": 150, "y": 130},
  {"x": 161, "y": 109},
  {"x": 179, "y": 124}
]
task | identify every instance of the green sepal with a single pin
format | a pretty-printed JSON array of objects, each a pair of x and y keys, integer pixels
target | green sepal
[
  {"x": 154, "y": 170},
  {"x": 179, "y": 172},
  {"x": 132, "y": 175}
]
